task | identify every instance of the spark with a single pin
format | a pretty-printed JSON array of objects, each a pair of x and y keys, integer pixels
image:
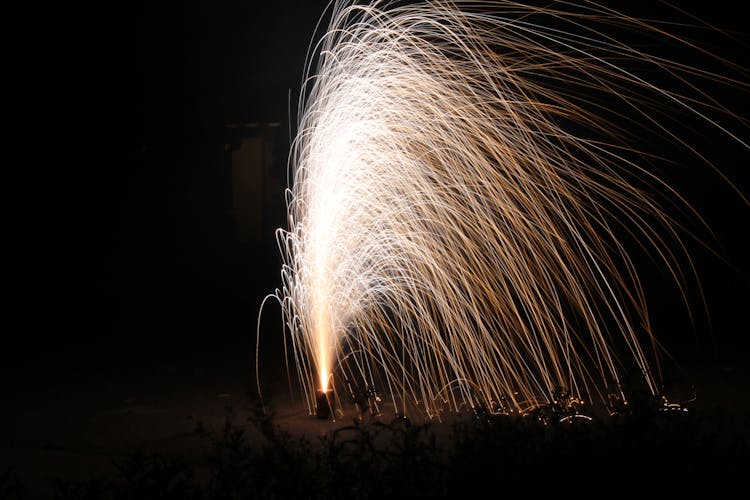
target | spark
[{"x": 465, "y": 185}]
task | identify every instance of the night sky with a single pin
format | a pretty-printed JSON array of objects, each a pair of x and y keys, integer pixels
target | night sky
[
  {"x": 137, "y": 244},
  {"x": 136, "y": 265}
]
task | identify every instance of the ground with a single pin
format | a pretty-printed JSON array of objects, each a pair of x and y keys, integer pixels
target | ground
[{"x": 76, "y": 425}]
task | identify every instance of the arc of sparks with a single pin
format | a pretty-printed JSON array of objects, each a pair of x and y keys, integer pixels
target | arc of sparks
[{"x": 461, "y": 196}]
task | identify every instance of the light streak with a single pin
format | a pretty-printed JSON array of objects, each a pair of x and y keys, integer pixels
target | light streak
[{"x": 461, "y": 202}]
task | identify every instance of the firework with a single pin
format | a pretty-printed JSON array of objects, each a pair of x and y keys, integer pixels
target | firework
[{"x": 464, "y": 190}]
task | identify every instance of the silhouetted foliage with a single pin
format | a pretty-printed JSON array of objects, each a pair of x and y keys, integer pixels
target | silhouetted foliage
[{"x": 377, "y": 458}]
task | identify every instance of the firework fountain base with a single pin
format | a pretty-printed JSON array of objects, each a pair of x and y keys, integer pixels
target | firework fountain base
[{"x": 322, "y": 405}]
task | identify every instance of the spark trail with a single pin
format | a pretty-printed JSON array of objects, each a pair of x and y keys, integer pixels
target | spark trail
[{"x": 466, "y": 182}]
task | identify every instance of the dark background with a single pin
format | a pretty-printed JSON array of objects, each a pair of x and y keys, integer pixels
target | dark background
[
  {"x": 136, "y": 266},
  {"x": 130, "y": 248}
]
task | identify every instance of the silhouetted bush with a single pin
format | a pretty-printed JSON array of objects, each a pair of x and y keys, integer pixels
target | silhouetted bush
[{"x": 384, "y": 459}]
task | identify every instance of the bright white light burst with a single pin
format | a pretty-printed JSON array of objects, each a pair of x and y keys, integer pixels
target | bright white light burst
[{"x": 464, "y": 191}]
